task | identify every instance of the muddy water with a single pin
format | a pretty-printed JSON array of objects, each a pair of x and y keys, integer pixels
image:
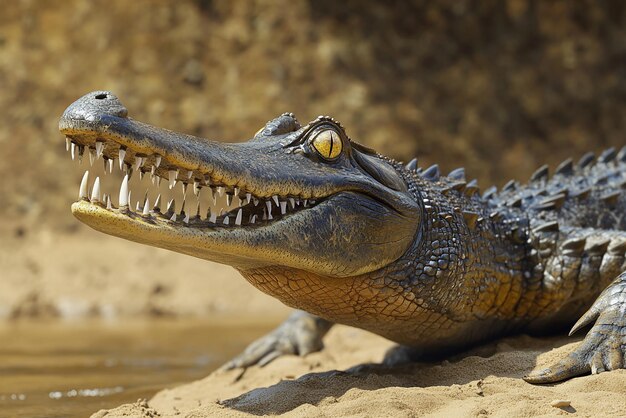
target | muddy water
[{"x": 74, "y": 369}]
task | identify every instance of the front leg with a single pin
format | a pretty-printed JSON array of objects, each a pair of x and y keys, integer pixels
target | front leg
[
  {"x": 300, "y": 334},
  {"x": 603, "y": 347}
]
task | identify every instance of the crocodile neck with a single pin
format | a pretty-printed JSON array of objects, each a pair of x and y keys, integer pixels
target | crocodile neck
[{"x": 446, "y": 285}]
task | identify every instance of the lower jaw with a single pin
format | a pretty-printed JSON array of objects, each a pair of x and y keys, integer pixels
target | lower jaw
[{"x": 218, "y": 245}]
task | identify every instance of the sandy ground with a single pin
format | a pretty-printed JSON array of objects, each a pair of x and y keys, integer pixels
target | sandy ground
[
  {"x": 80, "y": 273},
  {"x": 484, "y": 383}
]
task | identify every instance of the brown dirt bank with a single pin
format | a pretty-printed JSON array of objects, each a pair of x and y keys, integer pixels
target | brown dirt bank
[
  {"x": 485, "y": 383},
  {"x": 72, "y": 275},
  {"x": 498, "y": 86}
]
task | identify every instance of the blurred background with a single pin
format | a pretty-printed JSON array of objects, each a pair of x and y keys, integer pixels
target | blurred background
[
  {"x": 497, "y": 86},
  {"x": 500, "y": 87}
]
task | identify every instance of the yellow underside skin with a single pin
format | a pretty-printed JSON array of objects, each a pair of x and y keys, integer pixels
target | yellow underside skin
[{"x": 214, "y": 245}]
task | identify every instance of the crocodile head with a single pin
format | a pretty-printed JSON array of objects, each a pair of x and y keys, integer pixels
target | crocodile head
[{"x": 301, "y": 197}]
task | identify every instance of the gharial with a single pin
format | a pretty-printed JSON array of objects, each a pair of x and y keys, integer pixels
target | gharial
[{"x": 348, "y": 236}]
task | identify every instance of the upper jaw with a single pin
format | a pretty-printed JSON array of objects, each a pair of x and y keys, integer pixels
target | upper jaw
[{"x": 98, "y": 123}]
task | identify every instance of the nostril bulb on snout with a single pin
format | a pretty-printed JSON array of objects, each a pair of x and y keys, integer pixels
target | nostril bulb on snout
[{"x": 101, "y": 96}]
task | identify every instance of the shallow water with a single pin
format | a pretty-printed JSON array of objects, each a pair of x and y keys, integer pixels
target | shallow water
[{"x": 62, "y": 369}]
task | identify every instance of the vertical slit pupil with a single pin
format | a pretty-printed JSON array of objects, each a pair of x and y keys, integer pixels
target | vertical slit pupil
[{"x": 332, "y": 141}]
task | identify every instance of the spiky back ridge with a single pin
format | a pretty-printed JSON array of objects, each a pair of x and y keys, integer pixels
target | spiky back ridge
[
  {"x": 585, "y": 194},
  {"x": 588, "y": 194}
]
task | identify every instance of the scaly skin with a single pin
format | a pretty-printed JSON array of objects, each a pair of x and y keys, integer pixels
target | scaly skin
[{"x": 419, "y": 258}]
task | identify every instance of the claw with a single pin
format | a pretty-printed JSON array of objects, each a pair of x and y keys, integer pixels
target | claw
[
  {"x": 588, "y": 317},
  {"x": 269, "y": 358},
  {"x": 300, "y": 334},
  {"x": 570, "y": 366}
]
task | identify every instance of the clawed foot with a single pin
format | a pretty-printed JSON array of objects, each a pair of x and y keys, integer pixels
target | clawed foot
[
  {"x": 601, "y": 350},
  {"x": 300, "y": 334}
]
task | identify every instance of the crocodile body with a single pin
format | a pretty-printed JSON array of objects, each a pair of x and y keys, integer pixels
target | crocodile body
[{"x": 421, "y": 258}]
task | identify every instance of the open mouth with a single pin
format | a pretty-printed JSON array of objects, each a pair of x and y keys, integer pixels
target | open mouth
[{"x": 155, "y": 190}]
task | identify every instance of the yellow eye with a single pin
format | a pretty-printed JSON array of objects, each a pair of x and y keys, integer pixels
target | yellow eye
[{"x": 328, "y": 144}]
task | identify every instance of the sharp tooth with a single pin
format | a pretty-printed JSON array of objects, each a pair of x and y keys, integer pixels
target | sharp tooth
[
  {"x": 153, "y": 170},
  {"x": 124, "y": 198},
  {"x": 173, "y": 174},
  {"x": 138, "y": 163},
  {"x": 73, "y": 148},
  {"x": 105, "y": 164},
  {"x": 283, "y": 207},
  {"x": 122, "y": 155},
  {"x": 157, "y": 203},
  {"x": 111, "y": 166},
  {"x": 220, "y": 191},
  {"x": 253, "y": 219},
  {"x": 129, "y": 205},
  {"x": 158, "y": 181},
  {"x": 269, "y": 209},
  {"x": 92, "y": 156},
  {"x": 306, "y": 202},
  {"x": 196, "y": 187},
  {"x": 292, "y": 202},
  {"x": 186, "y": 219},
  {"x": 185, "y": 189},
  {"x": 256, "y": 201},
  {"x": 236, "y": 191},
  {"x": 229, "y": 199},
  {"x": 248, "y": 197},
  {"x": 95, "y": 193},
  {"x": 189, "y": 175},
  {"x": 173, "y": 218},
  {"x": 146, "y": 205},
  {"x": 226, "y": 220},
  {"x": 170, "y": 206},
  {"x": 99, "y": 149},
  {"x": 82, "y": 193},
  {"x": 275, "y": 199},
  {"x": 109, "y": 205},
  {"x": 238, "y": 218},
  {"x": 157, "y": 161},
  {"x": 213, "y": 217},
  {"x": 67, "y": 144},
  {"x": 137, "y": 207}
]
